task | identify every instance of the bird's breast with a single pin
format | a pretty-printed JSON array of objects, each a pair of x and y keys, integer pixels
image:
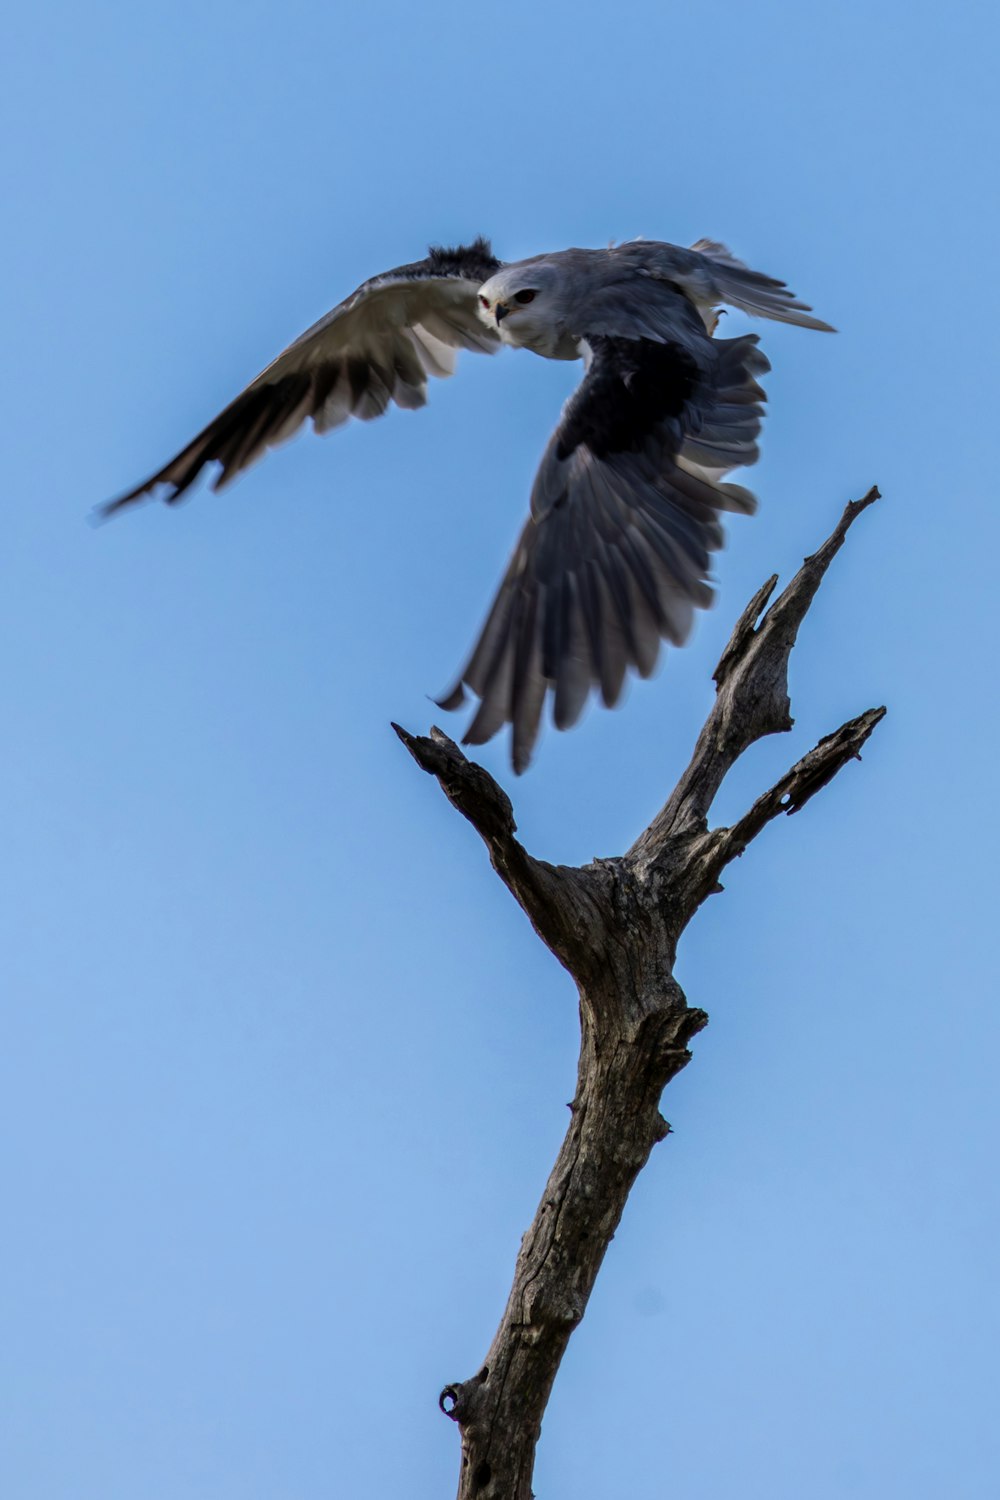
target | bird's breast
[{"x": 550, "y": 343}]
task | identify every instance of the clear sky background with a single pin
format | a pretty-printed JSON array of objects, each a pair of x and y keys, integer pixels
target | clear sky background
[{"x": 283, "y": 1068}]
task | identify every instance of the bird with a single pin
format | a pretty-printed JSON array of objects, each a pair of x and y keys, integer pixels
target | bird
[{"x": 626, "y": 507}]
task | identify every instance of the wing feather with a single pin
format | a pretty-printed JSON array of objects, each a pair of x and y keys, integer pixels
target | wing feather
[
  {"x": 709, "y": 273},
  {"x": 375, "y": 348},
  {"x": 624, "y": 520}
]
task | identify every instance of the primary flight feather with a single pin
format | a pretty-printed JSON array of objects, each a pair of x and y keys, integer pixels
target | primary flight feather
[{"x": 626, "y": 505}]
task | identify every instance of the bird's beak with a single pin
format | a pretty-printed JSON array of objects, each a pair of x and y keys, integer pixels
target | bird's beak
[{"x": 501, "y": 310}]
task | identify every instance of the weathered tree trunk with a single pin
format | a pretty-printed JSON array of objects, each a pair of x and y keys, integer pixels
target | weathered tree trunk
[{"x": 615, "y": 924}]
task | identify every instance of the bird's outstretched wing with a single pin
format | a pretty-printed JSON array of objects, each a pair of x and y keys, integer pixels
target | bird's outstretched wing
[
  {"x": 378, "y": 345},
  {"x": 624, "y": 517}
]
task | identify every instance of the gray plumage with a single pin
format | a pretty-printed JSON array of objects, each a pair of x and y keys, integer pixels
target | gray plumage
[{"x": 626, "y": 505}]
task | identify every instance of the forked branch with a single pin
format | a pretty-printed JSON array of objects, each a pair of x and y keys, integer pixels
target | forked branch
[{"x": 615, "y": 924}]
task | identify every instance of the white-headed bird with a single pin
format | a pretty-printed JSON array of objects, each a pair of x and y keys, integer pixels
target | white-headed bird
[{"x": 626, "y": 505}]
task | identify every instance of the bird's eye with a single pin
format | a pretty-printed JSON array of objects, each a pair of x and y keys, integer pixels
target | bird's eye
[
  {"x": 524, "y": 297},
  {"x": 484, "y": 302}
]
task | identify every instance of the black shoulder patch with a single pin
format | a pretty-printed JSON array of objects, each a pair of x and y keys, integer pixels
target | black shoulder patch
[
  {"x": 632, "y": 387},
  {"x": 475, "y": 261}
]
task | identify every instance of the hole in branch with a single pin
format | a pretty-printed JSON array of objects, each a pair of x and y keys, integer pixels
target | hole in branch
[
  {"x": 482, "y": 1476},
  {"x": 448, "y": 1400},
  {"x": 483, "y": 1375}
]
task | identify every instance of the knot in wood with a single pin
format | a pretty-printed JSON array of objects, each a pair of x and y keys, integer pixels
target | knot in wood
[{"x": 547, "y": 1306}]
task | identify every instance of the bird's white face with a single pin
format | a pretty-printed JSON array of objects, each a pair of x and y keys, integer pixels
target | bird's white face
[{"x": 517, "y": 303}]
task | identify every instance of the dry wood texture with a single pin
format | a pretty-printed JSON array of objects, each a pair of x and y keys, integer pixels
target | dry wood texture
[{"x": 615, "y": 924}]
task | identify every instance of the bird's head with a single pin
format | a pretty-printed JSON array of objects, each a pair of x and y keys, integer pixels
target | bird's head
[{"x": 518, "y": 303}]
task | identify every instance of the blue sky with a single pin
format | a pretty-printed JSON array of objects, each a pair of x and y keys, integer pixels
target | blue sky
[{"x": 283, "y": 1068}]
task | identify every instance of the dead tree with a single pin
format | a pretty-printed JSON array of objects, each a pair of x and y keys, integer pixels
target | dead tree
[{"x": 615, "y": 924}]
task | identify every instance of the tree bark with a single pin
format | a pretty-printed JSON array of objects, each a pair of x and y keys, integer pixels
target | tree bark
[{"x": 615, "y": 925}]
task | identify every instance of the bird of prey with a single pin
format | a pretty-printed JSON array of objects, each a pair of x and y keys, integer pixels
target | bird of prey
[{"x": 626, "y": 505}]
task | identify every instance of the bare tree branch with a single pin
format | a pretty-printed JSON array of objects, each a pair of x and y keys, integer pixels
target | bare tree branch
[
  {"x": 555, "y": 897},
  {"x": 752, "y": 689},
  {"x": 615, "y": 924}
]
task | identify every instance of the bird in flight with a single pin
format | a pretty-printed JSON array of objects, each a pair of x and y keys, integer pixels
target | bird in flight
[{"x": 625, "y": 508}]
